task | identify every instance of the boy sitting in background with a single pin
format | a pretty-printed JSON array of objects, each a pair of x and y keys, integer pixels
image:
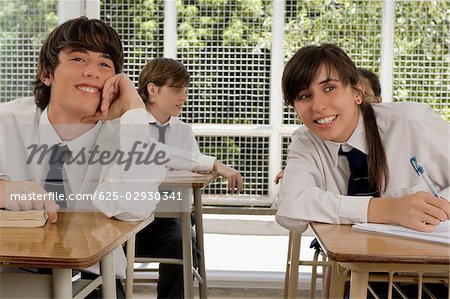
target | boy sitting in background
[{"x": 163, "y": 86}]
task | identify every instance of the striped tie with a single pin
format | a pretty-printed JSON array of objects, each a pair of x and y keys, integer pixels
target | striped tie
[
  {"x": 54, "y": 181},
  {"x": 358, "y": 182}
]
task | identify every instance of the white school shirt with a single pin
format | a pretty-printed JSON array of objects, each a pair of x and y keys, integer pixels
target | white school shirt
[
  {"x": 315, "y": 181},
  {"x": 22, "y": 124},
  {"x": 178, "y": 134}
]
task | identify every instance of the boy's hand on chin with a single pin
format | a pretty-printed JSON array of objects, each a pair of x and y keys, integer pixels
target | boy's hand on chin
[{"x": 118, "y": 96}]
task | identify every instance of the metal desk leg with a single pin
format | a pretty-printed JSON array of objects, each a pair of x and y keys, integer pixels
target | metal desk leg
[
  {"x": 108, "y": 276},
  {"x": 130, "y": 267},
  {"x": 62, "y": 283},
  {"x": 358, "y": 284},
  {"x": 337, "y": 281},
  {"x": 187, "y": 255},
  {"x": 294, "y": 258},
  {"x": 200, "y": 243}
]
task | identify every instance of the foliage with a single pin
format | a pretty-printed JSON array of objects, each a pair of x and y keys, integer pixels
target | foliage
[
  {"x": 140, "y": 25},
  {"x": 233, "y": 39},
  {"x": 23, "y": 26},
  {"x": 422, "y": 50},
  {"x": 227, "y": 47}
]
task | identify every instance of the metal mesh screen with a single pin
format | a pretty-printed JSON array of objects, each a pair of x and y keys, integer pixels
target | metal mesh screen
[
  {"x": 226, "y": 47},
  {"x": 422, "y": 54},
  {"x": 249, "y": 155},
  {"x": 140, "y": 25},
  {"x": 285, "y": 142},
  {"x": 353, "y": 25},
  {"x": 23, "y": 26}
]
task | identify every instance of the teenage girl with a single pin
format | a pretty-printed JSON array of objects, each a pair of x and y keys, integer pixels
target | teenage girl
[{"x": 323, "y": 85}]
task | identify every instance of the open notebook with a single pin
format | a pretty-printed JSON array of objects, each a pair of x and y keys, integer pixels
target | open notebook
[{"x": 440, "y": 234}]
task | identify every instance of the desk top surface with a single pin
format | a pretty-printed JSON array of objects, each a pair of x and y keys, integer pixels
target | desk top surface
[
  {"x": 342, "y": 244},
  {"x": 77, "y": 240},
  {"x": 187, "y": 178}
]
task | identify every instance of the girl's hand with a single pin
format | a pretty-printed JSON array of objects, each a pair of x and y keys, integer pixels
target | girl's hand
[
  {"x": 279, "y": 177},
  {"x": 420, "y": 211}
]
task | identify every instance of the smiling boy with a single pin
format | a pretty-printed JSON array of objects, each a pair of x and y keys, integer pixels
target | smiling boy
[{"x": 82, "y": 101}]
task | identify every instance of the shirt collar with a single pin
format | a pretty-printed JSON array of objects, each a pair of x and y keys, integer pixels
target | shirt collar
[
  {"x": 48, "y": 135},
  {"x": 152, "y": 119},
  {"x": 357, "y": 140}
]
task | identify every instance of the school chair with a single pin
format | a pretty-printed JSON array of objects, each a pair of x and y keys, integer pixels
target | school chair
[
  {"x": 292, "y": 266},
  {"x": 186, "y": 261},
  {"x": 189, "y": 272}
]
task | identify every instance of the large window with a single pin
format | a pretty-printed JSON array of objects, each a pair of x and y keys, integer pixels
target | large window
[
  {"x": 230, "y": 51},
  {"x": 23, "y": 26},
  {"x": 140, "y": 25},
  {"x": 422, "y": 54}
]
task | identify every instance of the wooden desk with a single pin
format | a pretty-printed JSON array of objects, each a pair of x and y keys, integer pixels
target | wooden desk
[
  {"x": 77, "y": 240},
  {"x": 362, "y": 253},
  {"x": 196, "y": 181}
]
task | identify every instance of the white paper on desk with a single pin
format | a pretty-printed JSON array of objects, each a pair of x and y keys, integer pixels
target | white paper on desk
[{"x": 440, "y": 234}]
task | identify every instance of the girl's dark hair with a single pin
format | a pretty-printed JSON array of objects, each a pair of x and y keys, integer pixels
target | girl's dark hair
[
  {"x": 373, "y": 79},
  {"x": 298, "y": 75},
  {"x": 162, "y": 71},
  {"x": 78, "y": 34}
]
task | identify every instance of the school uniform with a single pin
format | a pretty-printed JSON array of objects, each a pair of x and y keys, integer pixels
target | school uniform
[
  {"x": 315, "y": 181},
  {"x": 23, "y": 124},
  {"x": 162, "y": 238}
]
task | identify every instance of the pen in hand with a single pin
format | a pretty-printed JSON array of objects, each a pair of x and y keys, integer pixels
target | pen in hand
[{"x": 421, "y": 172}]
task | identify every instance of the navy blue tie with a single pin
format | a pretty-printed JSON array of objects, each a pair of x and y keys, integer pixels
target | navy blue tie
[
  {"x": 358, "y": 182},
  {"x": 54, "y": 181}
]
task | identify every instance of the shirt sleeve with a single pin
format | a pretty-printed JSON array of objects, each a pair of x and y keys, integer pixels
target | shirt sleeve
[
  {"x": 302, "y": 197},
  {"x": 135, "y": 179},
  {"x": 188, "y": 143},
  {"x": 186, "y": 154},
  {"x": 3, "y": 176},
  {"x": 127, "y": 187},
  {"x": 437, "y": 160}
]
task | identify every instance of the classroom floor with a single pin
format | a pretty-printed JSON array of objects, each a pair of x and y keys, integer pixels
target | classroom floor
[
  {"x": 243, "y": 254},
  {"x": 216, "y": 293}
]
